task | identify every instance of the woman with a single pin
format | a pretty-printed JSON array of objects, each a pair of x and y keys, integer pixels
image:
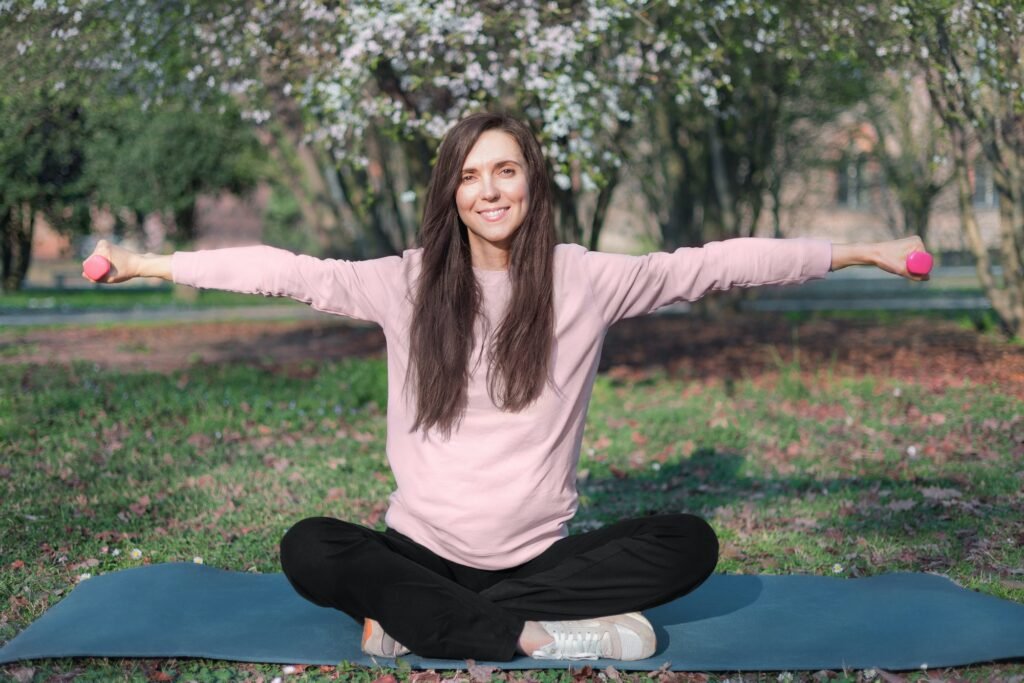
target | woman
[{"x": 493, "y": 340}]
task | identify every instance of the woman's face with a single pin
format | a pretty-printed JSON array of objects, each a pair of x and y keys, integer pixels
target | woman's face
[{"x": 493, "y": 197}]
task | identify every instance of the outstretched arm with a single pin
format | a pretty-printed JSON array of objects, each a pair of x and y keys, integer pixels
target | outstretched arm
[
  {"x": 357, "y": 289},
  {"x": 625, "y": 286},
  {"x": 890, "y": 256}
]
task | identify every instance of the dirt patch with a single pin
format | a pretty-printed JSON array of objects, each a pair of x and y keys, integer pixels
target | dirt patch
[
  {"x": 922, "y": 350},
  {"x": 169, "y": 347}
]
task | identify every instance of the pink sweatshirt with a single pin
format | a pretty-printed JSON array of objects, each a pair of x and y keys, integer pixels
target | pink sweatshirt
[{"x": 502, "y": 489}]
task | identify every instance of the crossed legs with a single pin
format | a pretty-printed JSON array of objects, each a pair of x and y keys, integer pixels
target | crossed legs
[{"x": 438, "y": 608}]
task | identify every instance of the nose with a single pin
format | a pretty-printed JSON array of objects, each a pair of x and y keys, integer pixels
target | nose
[{"x": 489, "y": 190}]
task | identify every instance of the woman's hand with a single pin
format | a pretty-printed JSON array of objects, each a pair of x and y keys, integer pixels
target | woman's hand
[
  {"x": 126, "y": 264},
  {"x": 890, "y": 256}
]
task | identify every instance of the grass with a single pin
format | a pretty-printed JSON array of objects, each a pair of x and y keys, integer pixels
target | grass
[
  {"x": 106, "y": 298},
  {"x": 799, "y": 470}
]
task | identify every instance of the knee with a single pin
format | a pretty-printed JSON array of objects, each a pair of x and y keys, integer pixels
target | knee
[
  {"x": 694, "y": 541},
  {"x": 707, "y": 542},
  {"x": 302, "y": 547}
]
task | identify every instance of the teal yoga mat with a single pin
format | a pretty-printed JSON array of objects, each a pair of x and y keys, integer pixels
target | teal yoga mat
[{"x": 731, "y": 623}]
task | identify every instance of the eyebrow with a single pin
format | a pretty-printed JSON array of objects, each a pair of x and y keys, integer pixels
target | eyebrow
[{"x": 497, "y": 164}]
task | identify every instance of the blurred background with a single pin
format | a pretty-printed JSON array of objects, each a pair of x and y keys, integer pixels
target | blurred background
[{"x": 312, "y": 126}]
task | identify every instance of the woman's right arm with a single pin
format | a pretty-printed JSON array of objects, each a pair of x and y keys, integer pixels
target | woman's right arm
[{"x": 363, "y": 290}]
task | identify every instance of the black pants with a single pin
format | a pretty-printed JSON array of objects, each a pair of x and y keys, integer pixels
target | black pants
[{"x": 438, "y": 608}]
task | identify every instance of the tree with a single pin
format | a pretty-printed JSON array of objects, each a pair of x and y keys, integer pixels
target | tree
[
  {"x": 912, "y": 148},
  {"x": 163, "y": 160},
  {"x": 971, "y": 55},
  {"x": 41, "y": 172},
  {"x": 41, "y": 154},
  {"x": 354, "y": 97},
  {"x": 72, "y": 136},
  {"x": 713, "y": 156}
]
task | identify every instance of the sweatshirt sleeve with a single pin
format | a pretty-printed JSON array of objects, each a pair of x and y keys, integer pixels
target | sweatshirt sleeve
[
  {"x": 627, "y": 286},
  {"x": 357, "y": 289}
]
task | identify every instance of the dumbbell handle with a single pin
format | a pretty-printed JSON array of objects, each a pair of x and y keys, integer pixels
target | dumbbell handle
[
  {"x": 919, "y": 263},
  {"x": 96, "y": 267}
]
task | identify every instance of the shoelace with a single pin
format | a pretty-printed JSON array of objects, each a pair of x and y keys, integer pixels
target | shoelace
[{"x": 580, "y": 644}]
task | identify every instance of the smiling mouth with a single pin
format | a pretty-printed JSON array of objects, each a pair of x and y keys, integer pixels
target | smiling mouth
[{"x": 493, "y": 214}]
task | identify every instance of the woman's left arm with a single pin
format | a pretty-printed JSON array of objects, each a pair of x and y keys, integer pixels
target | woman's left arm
[{"x": 890, "y": 256}]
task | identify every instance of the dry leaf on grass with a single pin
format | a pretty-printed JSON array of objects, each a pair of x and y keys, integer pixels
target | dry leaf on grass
[{"x": 23, "y": 675}]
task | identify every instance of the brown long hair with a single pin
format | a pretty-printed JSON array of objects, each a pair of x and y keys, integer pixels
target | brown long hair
[{"x": 448, "y": 297}]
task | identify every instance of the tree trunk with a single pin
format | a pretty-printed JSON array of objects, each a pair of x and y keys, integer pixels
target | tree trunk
[
  {"x": 387, "y": 225},
  {"x": 720, "y": 181},
  {"x": 1011, "y": 231},
  {"x": 331, "y": 223},
  {"x": 569, "y": 229},
  {"x": 916, "y": 214},
  {"x": 604, "y": 198},
  {"x": 998, "y": 296},
  {"x": 16, "y": 246},
  {"x": 185, "y": 221}
]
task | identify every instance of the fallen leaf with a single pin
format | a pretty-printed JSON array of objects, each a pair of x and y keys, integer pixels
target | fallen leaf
[
  {"x": 276, "y": 464},
  {"x": 425, "y": 677},
  {"x": 937, "y": 493},
  {"x": 479, "y": 673},
  {"x": 199, "y": 440},
  {"x": 23, "y": 675},
  {"x": 139, "y": 507},
  {"x": 584, "y": 674},
  {"x": 86, "y": 564}
]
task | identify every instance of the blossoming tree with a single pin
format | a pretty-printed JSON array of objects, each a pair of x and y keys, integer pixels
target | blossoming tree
[
  {"x": 971, "y": 55},
  {"x": 354, "y": 97}
]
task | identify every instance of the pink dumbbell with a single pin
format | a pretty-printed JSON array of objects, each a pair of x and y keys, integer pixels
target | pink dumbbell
[
  {"x": 919, "y": 263},
  {"x": 96, "y": 267}
]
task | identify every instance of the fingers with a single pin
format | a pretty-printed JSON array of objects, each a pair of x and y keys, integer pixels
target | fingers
[
  {"x": 916, "y": 261},
  {"x": 106, "y": 264},
  {"x": 102, "y": 248},
  {"x": 97, "y": 266}
]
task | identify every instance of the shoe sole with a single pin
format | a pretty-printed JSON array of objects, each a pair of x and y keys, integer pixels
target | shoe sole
[
  {"x": 637, "y": 624},
  {"x": 373, "y": 641}
]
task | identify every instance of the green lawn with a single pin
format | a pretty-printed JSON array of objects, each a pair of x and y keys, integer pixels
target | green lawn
[
  {"x": 800, "y": 471},
  {"x": 109, "y": 298}
]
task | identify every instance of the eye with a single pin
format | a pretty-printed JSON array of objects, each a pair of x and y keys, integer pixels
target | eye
[
  {"x": 508, "y": 171},
  {"x": 467, "y": 178}
]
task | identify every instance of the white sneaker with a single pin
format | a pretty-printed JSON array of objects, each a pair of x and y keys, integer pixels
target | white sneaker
[
  {"x": 378, "y": 643},
  {"x": 621, "y": 636}
]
